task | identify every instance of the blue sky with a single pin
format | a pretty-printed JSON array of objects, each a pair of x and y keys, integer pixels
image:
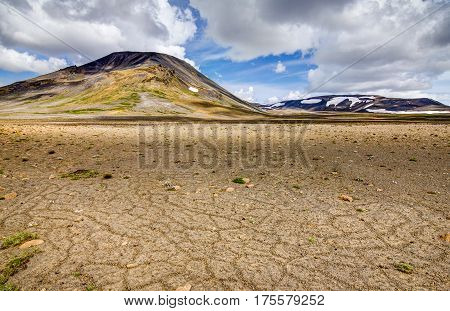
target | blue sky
[
  {"x": 263, "y": 51},
  {"x": 258, "y": 73}
]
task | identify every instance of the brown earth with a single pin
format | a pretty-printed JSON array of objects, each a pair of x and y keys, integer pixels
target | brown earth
[{"x": 327, "y": 207}]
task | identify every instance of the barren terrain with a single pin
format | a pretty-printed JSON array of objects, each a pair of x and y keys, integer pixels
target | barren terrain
[{"x": 119, "y": 206}]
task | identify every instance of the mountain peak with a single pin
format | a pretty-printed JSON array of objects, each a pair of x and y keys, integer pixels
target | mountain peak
[{"x": 127, "y": 59}]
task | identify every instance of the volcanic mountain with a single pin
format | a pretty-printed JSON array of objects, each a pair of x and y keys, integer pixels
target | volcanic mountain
[
  {"x": 361, "y": 103},
  {"x": 124, "y": 83}
]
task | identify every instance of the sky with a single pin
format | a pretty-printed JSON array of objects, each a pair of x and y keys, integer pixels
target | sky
[{"x": 261, "y": 50}]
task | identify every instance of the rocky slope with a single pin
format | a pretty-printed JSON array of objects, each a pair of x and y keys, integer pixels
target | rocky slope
[
  {"x": 362, "y": 103},
  {"x": 124, "y": 83}
]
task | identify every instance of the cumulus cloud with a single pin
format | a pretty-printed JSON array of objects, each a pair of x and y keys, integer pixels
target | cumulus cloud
[
  {"x": 405, "y": 64},
  {"x": 339, "y": 32},
  {"x": 246, "y": 94},
  {"x": 272, "y": 100},
  {"x": 280, "y": 68},
  {"x": 292, "y": 95},
  {"x": 249, "y": 35},
  {"x": 14, "y": 61},
  {"x": 96, "y": 27}
]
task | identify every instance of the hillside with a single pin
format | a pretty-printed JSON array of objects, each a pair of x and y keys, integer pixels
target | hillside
[{"x": 124, "y": 83}]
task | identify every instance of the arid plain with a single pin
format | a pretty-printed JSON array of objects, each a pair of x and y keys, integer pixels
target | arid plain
[{"x": 225, "y": 206}]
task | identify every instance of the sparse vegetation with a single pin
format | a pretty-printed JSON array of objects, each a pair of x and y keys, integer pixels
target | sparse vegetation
[
  {"x": 296, "y": 186},
  {"x": 312, "y": 240},
  {"x": 76, "y": 274},
  {"x": 80, "y": 174},
  {"x": 404, "y": 267},
  {"x": 8, "y": 287},
  {"x": 17, "y": 238},
  {"x": 413, "y": 159},
  {"x": 157, "y": 93},
  {"x": 91, "y": 287},
  {"x": 83, "y": 111},
  {"x": 239, "y": 180},
  {"x": 13, "y": 266}
]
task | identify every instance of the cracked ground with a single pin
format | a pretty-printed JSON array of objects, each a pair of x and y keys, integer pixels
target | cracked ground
[{"x": 287, "y": 228}]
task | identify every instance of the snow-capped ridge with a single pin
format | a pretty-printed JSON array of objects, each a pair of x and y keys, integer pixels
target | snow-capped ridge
[{"x": 361, "y": 103}]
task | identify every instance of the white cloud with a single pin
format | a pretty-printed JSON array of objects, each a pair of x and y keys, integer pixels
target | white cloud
[
  {"x": 292, "y": 95},
  {"x": 246, "y": 94},
  {"x": 279, "y": 68},
  {"x": 96, "y": 27},
  {"x": 404, "y": 65},
  {"x": 249, "y": 35},
  {"x": 272, "y": 100},
  {"x": 339, "y": 32},
  {"x": 12, "y": 60}
]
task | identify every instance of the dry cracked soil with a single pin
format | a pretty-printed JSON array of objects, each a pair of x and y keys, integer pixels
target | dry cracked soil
[{"x": 319, "y": 207}]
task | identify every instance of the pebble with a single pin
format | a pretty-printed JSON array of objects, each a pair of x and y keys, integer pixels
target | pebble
[
  {"x": 445, "y": 237},
  {"x": 345, "y": 197},
  {"x": 229, "y": 189},
  {"x": 132, "y": 265},
  {"x": 31, "y": 243},
  {"x": 186, "y": 287},
  {"x": 171, "y": 187},
  {"x": 10, "y": 196}
]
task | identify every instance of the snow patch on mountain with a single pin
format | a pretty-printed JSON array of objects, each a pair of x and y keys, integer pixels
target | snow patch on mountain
[
  {"x": 406, "y": 112},
  {"x": 337, "y": 100},
  {"x": 280, "y": 104},
  {"x": 311, "y": 101}
]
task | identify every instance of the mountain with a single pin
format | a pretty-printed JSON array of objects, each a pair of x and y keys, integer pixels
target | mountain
[
  {"x": 154, "y": 84},
  {"x": 361, "y": 103},
  {"x": 124, "y": 83}
]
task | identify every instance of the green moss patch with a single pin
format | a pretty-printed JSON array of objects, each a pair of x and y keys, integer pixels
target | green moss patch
[
  {"x": 80, "y": 174},
  {"x": 13, "y": 266},
  {"x": 17, "y": 238},
  {"x": 404, "y": 267},
  {"x": 239, "y": 180}
]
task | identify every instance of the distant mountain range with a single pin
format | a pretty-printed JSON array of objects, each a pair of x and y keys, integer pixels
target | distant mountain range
[
  {"x": 154, "y": 84},
  {"x": 362, "y": 103}
]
